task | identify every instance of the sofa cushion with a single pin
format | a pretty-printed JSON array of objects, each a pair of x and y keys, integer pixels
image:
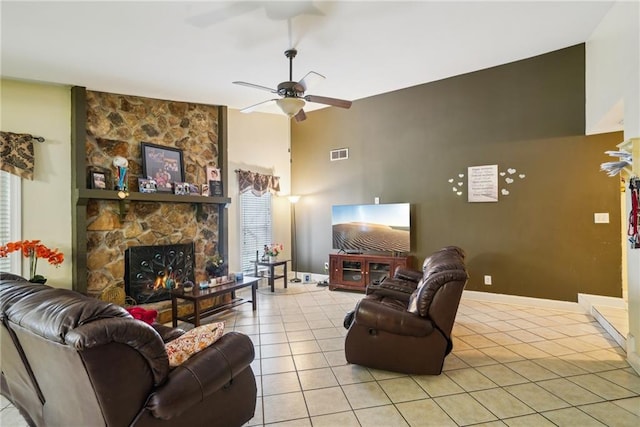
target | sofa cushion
[
  {"x": 167, "y": 333},
  {"x": 53, "y": 312},
  {"x": 421, "y": 298},
  {"x": 190, "y": 343},
  {"x": 407, "y": 274},
  {"x": 10, "y": 276},
  {"x": 447, "y": 258}
]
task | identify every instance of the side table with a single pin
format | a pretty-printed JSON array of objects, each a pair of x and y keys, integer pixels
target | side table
[{"x": 272, "y": 275}]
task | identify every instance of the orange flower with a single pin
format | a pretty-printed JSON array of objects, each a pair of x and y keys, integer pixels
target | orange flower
[
  {"x": 14, "y": 246},
  {"x": 33, "y": 250},
  {"x": 56, "y": 258}
]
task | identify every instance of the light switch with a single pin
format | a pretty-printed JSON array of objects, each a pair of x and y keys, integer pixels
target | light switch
[
  {"x": 601, "y": 218},
  {"x": 376, "y": 200}
]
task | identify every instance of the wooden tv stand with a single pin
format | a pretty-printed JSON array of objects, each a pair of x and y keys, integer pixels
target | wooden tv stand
[{"x": 355, "y": 271}]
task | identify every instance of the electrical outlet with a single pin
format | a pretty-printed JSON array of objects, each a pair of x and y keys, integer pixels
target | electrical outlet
[{"x": 487, "y": 280}]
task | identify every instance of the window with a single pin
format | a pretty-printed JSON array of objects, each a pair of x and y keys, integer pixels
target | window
[
  {"x": 255, "y": 227},
  {"x": 9, "y": 219}
]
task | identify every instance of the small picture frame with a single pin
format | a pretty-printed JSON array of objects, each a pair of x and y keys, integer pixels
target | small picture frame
[
  {"x": 163, "y": 164},
  {"x": 213, "y": 173},
  {"x": 205, "y": 190},
  {"x": 193, "y": 189},
  {"x": 180, "y": 188},
  {"x": 147, "y": 185},
  {"x": 99, "y": 179},
  {"x": 215, "y": 189}
]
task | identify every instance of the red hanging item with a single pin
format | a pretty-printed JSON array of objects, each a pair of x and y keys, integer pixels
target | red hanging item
[
  {"x": 634, "y": 215},
  {"x": 139, "y": 313}
]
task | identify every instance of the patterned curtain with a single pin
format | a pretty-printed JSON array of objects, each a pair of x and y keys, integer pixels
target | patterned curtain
[
  {"x": 16, "y": 154},
  {"x": 257, "y": 183}
]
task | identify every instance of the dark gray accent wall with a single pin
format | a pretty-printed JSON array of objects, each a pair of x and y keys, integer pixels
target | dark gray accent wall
[{"x": 404, "y": 146}]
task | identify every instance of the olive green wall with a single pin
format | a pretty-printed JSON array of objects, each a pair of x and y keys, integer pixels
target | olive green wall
[{"x": 538, "y": 241}]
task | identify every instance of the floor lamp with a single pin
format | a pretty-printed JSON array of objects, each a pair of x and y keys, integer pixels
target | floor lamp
[{"x": 294, "y": 246}]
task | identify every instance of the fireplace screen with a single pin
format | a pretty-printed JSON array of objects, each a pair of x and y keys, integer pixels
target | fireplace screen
[{"x": 152, "y": 271}]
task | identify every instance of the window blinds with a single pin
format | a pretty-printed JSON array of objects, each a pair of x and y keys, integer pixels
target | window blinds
[
  {"x": 255, "y": 223},
  {"x": 9, "y": 218}
]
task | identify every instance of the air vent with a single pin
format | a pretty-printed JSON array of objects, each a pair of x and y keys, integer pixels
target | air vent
[{"x": 339, "y": 154}]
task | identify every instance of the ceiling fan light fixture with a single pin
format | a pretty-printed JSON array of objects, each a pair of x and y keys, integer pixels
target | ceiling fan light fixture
[{"x": 290, "y": 106}]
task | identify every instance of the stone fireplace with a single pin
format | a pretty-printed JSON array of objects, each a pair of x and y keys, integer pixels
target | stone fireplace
[
  {"x": 115, "y": 126},
  {"x": 152, "y": 271}
]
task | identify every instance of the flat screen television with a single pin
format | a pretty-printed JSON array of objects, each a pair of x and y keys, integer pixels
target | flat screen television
[{"x": 371, "y": 228}]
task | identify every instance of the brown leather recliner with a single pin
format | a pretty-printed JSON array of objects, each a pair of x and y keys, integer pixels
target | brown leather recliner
[
  {"x": 404, "y": 323},
  {"x": 67, "y": 359}
]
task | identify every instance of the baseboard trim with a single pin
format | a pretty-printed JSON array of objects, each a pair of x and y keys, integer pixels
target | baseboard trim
[
  {"x": 589, "y": 300},
  {"x": 520, "y": 300},
  {"x": 608, "y": 326},
  {"x": 634, "y": 360}
]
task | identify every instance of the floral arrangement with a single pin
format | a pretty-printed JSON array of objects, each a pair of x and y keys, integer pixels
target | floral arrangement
[
  {"x": 215, "y": 266},
  {"x": 33, "y": 250},
  {"x": 273, "y": 249}
]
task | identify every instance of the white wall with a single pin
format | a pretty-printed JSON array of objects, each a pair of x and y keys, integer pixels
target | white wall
[
  {"x": 44, "y": 110},
  {"x": 259, "y": 142},
  {"x": 613, "y": 81}
]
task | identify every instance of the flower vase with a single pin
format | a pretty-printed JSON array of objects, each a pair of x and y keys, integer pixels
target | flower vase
[
  {"x": 273, "y": 258},
  {"x": 38, "y": 279}
]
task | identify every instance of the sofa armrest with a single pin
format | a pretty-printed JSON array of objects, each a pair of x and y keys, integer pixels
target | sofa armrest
[
  {"x": 377, "y": 316},
  {"x": 201, "y": 375}
]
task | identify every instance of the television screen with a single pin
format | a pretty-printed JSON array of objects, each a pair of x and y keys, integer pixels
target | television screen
[{"x": 372, "y": 228}]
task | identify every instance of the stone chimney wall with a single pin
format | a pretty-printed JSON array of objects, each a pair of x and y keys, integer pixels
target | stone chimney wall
[{"x": 116, "y": 125}]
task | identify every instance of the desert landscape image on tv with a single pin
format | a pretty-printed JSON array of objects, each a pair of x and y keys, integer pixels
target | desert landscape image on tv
[{"x": 371, "y": 228}]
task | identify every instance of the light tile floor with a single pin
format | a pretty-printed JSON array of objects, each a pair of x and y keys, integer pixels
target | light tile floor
[{"x": 512, "y": 365}]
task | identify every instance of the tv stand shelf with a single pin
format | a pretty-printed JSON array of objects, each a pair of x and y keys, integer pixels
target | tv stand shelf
[{"x": 355, "y": 271}]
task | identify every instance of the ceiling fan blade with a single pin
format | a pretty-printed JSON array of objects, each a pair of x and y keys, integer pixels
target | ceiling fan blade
[
  {"x": 342, "y": 103},
  {"x": 301, "y": 116},
  {"x": 253, "y": 107},
  {"x": 255, "y": 86},
  {"x": 311, "y": 79}
]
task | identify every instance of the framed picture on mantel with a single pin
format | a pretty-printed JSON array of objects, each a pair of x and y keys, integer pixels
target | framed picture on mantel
[
  {"x": 163, "y": 164},
  {"x": 99, "y": 178},
  {"x": 215, "y": 184},
  {"x": 215, "y": 189}
]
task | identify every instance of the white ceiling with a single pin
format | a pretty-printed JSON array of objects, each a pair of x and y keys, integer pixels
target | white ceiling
[{"x": 192, "y": 51}]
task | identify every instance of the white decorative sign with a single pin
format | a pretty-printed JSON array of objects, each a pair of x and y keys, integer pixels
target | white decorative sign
[{"x": 483, "y": 183}]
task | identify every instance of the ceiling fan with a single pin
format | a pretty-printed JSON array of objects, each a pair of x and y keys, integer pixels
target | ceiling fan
[{"x": 292, "y": 98}]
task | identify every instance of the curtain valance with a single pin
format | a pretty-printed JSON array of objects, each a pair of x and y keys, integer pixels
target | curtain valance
[
  {"x": 257, "y": 183},
  {"x": 16, "y": 154}
]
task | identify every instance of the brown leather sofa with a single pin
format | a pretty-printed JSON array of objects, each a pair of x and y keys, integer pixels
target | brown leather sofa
[
  {"x": 71, "y": 360},
  {"x": 404, "y": 323}
]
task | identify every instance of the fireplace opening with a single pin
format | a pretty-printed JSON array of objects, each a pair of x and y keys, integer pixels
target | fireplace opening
[{"x": 152, "y": 271}]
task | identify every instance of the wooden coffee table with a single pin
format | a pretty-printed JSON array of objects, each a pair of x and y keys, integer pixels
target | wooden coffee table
[{"x": 197, "y": 295}]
